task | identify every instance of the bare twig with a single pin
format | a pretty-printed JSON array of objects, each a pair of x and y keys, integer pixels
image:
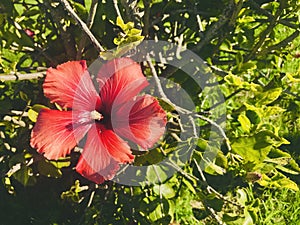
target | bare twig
[
  {"x": 188, "y": 176},
  {"x": 117, "y": 8},
  {"x": 19, "y": 76},
  {"x": 215, "y": 216},
  {"x": 264, "y": 35},
  {"x": 281, "y": 44},
  {"x": 210, "y": 189},
  {"x": 182, "y": 110},
  {"x": 83, "y": 26},
  {"x": 89, "y": 24},
  {"x": 18, "y": 113},
  {"x": 270, "y": 16},
  {"x": 161, "y": 92},
  {"x": 91, "y": 199},
  {"x": 218, "y": 127},
  {"x": 200, "y": 171},
  {"x": 215, "y": 28}
]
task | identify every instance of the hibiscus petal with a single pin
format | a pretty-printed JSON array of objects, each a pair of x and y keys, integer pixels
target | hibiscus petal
[
  {"x": 55, "y": 133},
  {"x": 120, "y": 80},
  {"x": 102, "y": 153},
  {"x": 70, "y": 86},
  {"x": 142, "y": 121},
  {"x": 86, "y": 171}
]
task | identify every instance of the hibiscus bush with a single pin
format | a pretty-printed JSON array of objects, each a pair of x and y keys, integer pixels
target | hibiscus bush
[{"x": 200, "y": 99}]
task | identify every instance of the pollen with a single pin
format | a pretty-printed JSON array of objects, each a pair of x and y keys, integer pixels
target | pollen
[{"x": 96, "y": 115}]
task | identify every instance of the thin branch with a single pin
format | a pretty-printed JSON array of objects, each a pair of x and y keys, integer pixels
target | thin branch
[
  {"x": 117, "y": 8},
  {"x": 19, "y": 76},
  {"x": 188, "y": 176},
  {"x": 90, "y": 21},
  {"x": 182, "y": 110},
  {"x": 210, "y": 189},
  {"x": 161, "y": 92},
  {"x": 215, "y": 28},
  {"x": 18, "y": 113},
  {"x": 218, "y": 127},
  {"x": 92, "y": 14},
  {"x": 270, "y": 16},
  {"x": 91, "y": 199},
  {"x": 82, "y": 25},
  {"x": 200, "y": 171},
  {"x": 281, "y": 44},
  {"x": 215, "y": 216},
  {"x": 264, "y": 35}
]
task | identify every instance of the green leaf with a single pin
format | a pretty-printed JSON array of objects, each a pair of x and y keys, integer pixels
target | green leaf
[
  {"x": 278, "y": 181},
  {"x": 149, "y": 158},
  {"x": 47, "y": 169},
  {"x": 25, "y": 176},
  {"x": 221, "y": 160},
  {"x": 88, "y": 4},
  {"x": 252, "y": 149},
  {"x": 253, "y": 116},
  {"x": 283, "y": 161},
  {"x": 73, "y": 193},
  {"x": 287, "y": 183},
  {"x": 165, "y": 189},
  {"x": 61, "y": 163},
  {"x": 239, "y": 59},
  {"x": 33, "y": 112},
  {"x": 233, "y": 80},
  {"x": 286, "y": 170},
  {"x": 279, "y": 161},
  {"x": 245, "y": 122},
  {"x": 248, "y": 66},
  {"x": 214, "y": 202},
  {"x": 268, "y": 96},
  {"x": 125, "y": 27},
  {"x": 156, "y": 174},
  {"x": 214, "y": 169},
  {"x": 189, "y": 185}
]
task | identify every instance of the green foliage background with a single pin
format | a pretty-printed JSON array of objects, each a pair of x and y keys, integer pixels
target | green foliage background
[{"x": 253, "y": 48}]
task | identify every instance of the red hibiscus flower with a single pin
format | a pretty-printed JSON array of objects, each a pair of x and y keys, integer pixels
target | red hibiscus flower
[{"x": 116, "y": 112}]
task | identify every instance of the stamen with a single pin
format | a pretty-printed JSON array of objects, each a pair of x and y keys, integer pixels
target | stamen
[{"x": 96, "y": 115}]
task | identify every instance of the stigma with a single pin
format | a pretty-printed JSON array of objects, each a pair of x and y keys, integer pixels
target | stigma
[{"x": 96, "y": 115}]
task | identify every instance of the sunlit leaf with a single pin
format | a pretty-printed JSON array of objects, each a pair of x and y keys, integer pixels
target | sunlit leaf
[
  {"x": 165, "y": 189},
  {"x": 245, "y": 122},
  {"x": 33, "y": 112}
]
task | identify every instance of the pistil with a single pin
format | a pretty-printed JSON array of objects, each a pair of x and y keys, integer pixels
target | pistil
[{"x": 96, "y": 115}]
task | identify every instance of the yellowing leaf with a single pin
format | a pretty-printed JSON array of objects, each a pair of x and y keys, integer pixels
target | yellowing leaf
[
  {"x": 124, "y": 26},
  {"x": 233, "y": 80},
  {"x": 268, "y": 97},
  {"x": 252, "y": 149},
  {"x": 287, "y": 183},
  {"x": 245, "y": 122},
  {"x": 33, "y": 112}
]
